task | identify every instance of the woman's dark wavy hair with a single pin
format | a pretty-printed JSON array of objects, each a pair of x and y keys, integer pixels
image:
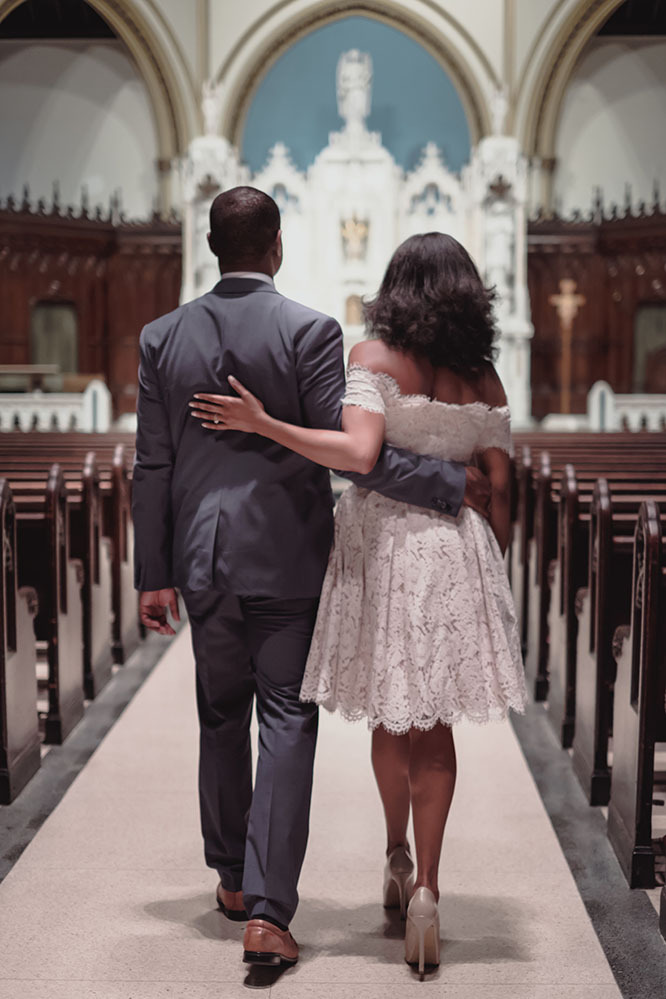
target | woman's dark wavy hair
[{"x": 433, "y": 304}]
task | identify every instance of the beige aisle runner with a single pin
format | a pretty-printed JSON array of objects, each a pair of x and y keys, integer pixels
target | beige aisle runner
[{"x": 112, "y": 899}]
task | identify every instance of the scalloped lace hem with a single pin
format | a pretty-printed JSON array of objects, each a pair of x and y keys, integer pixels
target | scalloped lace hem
[{"x": 448, "y": 718}]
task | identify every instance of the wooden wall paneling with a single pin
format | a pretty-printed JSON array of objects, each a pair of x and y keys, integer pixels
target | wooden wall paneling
[
  {"x": 118, "y": 275},
  {"x": 619, "y": 264}
]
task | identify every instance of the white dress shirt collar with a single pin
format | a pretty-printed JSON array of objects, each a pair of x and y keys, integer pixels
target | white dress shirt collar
[{"x": 255, "y": 275}]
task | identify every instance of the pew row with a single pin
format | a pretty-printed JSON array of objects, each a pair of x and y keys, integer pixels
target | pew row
[
  {"x": 114, "y": 469},
  {"x": 603, "y": 606},
  {"x": 569, "y": 573}
]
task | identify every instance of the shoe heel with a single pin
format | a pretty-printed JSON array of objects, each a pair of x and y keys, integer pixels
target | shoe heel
[
  {"x": 396, "y": 891},
  {"x": 422, "y": 931},
  {"x": 398, "y": 879}
]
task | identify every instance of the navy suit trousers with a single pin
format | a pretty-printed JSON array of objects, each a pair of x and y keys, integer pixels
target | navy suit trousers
[{"x": 249, "y": 648}]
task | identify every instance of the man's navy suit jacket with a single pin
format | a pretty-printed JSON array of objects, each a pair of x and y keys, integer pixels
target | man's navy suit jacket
[{"x": 236, "y": 512}]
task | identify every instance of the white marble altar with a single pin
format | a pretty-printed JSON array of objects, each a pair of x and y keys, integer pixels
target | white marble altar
[{"x": 343, "y": 218}]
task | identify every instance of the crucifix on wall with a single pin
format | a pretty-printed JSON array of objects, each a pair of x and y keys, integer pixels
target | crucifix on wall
[{"x": 566, "y": 305}]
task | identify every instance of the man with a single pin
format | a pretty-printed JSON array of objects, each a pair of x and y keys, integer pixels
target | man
[{"x": 244, "y": 528}]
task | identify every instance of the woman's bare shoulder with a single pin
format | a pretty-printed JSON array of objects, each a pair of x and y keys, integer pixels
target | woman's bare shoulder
[
  {"x": 491, "y": 390},
  {"x": 372, "y": 354},
  {"x": 377, "y": 357}
]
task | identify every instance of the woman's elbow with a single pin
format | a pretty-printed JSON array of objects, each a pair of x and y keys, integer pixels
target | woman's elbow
[
  {"x": 364, "y": 464},
  {"x": 365, "y": 460}
]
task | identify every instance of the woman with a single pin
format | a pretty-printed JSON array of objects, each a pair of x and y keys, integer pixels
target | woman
[{"x": 416, "y": 626}]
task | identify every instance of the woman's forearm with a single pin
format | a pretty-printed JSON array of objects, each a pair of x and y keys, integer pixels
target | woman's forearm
[{"x": 348, "y": 452}]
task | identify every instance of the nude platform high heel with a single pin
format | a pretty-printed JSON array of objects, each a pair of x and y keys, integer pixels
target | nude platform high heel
[
  {"x": 398, "y": 879},
  {"x": 422, "y": 930}
]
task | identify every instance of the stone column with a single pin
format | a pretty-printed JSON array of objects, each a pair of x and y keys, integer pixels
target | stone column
[
  {"x": 496, "y": 184},
  {"x": 210, "y": 166}
]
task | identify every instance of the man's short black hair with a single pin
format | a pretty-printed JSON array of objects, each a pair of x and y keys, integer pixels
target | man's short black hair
[{"x": 244, "y": 223}]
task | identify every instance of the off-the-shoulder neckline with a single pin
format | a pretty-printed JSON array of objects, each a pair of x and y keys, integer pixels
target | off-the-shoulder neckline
[{"x": 422, "y": 397}]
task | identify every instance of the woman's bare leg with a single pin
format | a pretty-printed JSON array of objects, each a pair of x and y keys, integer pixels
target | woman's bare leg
[
  {"x": 390, "y": 761},
  {"x": 432, "y": 779}
]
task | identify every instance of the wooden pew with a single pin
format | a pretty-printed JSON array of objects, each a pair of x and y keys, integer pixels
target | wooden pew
[
  {"x": 44, "y": 563},
  {"x": 603, "y": 606},
  {"x": 639, "y": 712},
  {"x": 19, "y": 726}
]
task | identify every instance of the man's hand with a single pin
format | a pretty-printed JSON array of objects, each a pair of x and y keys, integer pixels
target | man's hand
[
  {"x": 477, "y": 491},
  {"x": 152, "y": 610}
]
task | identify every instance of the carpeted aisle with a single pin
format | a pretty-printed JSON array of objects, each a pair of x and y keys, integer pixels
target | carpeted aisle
[{"x": 111, "y": 900}]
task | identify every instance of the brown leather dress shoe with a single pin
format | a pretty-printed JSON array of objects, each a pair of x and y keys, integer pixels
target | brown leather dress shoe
[
  {"x": 265, "y": 943},
  {"x": 231, "y": 904}
]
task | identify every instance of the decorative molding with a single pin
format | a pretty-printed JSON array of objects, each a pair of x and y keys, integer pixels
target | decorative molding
[{"x": 203, "y": 44}]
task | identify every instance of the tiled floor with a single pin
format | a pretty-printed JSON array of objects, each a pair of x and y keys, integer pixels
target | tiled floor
[{"x": 112, "y": 901}]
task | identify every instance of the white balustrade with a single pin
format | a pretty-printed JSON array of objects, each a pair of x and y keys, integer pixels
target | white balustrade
[
  {"x": 88, "y": 411},
  {"x": 606, "y": 410}
]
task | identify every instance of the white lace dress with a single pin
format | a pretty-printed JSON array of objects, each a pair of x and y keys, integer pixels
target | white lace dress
[{"x": 416, "y": 623}]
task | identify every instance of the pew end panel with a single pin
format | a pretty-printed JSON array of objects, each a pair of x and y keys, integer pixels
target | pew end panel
[
  {"x": 45, "y": 563},
  {"x": 521, "y": 567},
  {"x": 571, "y": 569},
  {"x": 95, "y": 553},
  {"x": 20, "y": 755},
  {"x": 125, "y": 630},
  {"x": 639, "y": 715},
  {"x": 542, "y": 551},
  {"x": 603, "y": 606}
]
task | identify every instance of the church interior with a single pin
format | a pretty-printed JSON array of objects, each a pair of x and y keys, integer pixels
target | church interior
[{"x": 534, "y": 131}]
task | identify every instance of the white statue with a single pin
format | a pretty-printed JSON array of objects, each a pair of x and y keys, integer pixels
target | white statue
[
  {"x": 211, "y": 106},
  {"x": 499, "y": 105},
  {"x": 354, "y": 81}
]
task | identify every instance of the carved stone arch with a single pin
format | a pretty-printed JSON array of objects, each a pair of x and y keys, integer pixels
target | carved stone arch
[
  {"x": 424, "y": 21},
  {"x": 549, "y": 69},
  {"x": 161, "y": 64}
]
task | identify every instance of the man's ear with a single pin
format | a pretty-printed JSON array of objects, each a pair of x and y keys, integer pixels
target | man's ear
[
  {"x": 278, "y": 250},
  {"x": 210, "y": 243}
]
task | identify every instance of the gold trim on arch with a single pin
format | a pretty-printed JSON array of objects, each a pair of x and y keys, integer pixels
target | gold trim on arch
[{"x": 460, "y": 73}]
